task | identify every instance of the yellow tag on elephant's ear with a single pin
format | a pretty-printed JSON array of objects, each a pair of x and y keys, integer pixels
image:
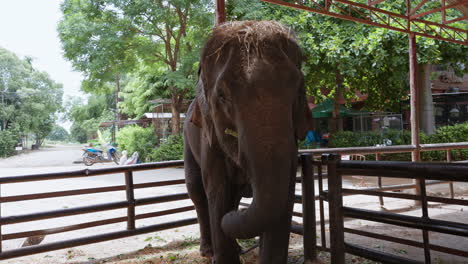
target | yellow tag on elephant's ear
[{"x": 231, "y": 132}]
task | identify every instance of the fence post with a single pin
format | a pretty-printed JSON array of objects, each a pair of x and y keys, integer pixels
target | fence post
[
  {"x": 335, "y": 207},
  {"x": 449, "y": 159},
  {"x": 131, "y": 199},
  {"x": 308, "y": 209},
  {"x": 1, "y": 237},
  {"x": 379, "y": 182}
]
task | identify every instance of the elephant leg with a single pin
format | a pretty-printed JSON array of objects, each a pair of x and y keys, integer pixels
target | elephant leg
[
  {"x": 223, "y": 197},
  {"x": 196, "y": 192},
  {"x": 226, "y": 250},
  {"x": 274, "y": 244}
]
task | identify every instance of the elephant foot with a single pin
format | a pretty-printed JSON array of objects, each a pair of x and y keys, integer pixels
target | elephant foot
[
  {"x": 314, "y": 261},
  {"x": 206, "y": 250},
  {"x": 234, "y": 259}
]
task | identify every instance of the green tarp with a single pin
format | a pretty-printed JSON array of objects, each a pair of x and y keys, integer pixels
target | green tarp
[{"x": 325, "y": 109}]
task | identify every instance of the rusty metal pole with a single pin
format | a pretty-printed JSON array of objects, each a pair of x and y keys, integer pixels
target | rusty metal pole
[
  {"x": 413, "y": 63},
  {"x": 449, "y": 159},
  {"x": 1, "y": 238},
  {"x": 220, "y": 12},
  {"x": 335, "y": 210},
  {"x": 379, "y": 182},
  {"x": 308, "y": 209},
  {"x": 413, "y": 68},
  {"x": 129, "y": 188}
]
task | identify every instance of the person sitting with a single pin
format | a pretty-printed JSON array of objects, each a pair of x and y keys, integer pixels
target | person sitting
[
  {"x": 124, "y": 158},
  {"x": 133, "y": 160}
]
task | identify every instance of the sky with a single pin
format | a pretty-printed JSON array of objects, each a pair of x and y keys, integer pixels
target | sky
[{"x": 28, "y": 28}]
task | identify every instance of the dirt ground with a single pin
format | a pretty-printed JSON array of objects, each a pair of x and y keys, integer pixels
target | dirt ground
[{"x": 180, "y": 245}]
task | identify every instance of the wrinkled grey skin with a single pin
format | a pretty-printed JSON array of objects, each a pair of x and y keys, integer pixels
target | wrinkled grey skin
[{"x": 262, "y": 104}]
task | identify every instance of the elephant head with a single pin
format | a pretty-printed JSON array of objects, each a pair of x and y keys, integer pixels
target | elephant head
[{"x": 251, "y": 104}]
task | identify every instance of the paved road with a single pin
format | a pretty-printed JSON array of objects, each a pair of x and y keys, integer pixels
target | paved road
[{"x": 60, "y": 158}]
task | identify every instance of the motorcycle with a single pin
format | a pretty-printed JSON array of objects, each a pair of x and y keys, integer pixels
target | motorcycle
[{"x": 92, "y": 155}]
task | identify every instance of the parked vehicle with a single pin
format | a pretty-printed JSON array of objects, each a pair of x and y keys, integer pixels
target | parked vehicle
[{"x": 93, "y": 155}]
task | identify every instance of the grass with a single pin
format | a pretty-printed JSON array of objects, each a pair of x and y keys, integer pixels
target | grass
[{"x": 185, "y": 251}]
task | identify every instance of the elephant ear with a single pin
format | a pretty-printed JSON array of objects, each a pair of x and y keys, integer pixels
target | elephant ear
[
  {"x": 196, "y": 118},
  {"x": 200, "y": 118},
  {"x": 302, "y": 115}
]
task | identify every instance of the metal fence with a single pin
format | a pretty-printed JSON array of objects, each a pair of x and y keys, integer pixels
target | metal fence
[
  {"x": 337, "y": 212},
  {"x": 130, "y": 203},
  {"x": 308, "y": 228}
]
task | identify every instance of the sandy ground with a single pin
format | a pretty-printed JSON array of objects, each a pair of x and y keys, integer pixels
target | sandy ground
[{"x": 181, "y": 245}]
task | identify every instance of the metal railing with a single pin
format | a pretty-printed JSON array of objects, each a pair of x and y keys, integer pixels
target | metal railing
[
  {"x": 422, "y": 172},
  {"x": 377, "y": 151},
  {"x": 307, "y": 199},
  {"x": 130, "y": 203}
]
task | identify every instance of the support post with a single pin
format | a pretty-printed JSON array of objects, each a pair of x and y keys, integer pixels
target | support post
[
  {"x": 322, "y": 207},
  {"x": 379, "y": 182},
  {"x": 308, "y": 210},
  {"x": 131, "y": 199},
  {"x": 425, "y": 217},
  {"x": 1, "y": 238},
  {"x": 413, "y": 63},
  {"x": 335, "y": 210},
  {"x": 449, "y": 159},
  {"x": 220, "y": 12}
]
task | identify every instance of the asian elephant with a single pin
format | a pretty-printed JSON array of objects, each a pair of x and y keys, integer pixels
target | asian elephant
[{"x": 241, "y": 134}]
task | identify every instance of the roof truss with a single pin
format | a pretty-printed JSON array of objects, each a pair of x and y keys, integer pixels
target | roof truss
[{"x": 422, "y": 17}]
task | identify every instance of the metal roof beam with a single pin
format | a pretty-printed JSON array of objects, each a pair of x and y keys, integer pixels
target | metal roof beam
[
  {"x": 456, "y": 19},
  {"x": 418, "y": 7},
  {"x": 385, "y": 19},
  {"x": 371, "y": 3},
  {"x": 439, "y": 9}
]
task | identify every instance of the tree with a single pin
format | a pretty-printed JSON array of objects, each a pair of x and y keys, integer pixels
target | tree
[
  {"x": 139, "y": 27},
  {"x": 41, "y": 99},
  {"x": 58, "y": 134},
  {"x": 87, "y": 117},
  {"x": 30, "y": 99},
  {"x": 13, "y": 73},
  {"x": 344, "y": 56},
  {"x": 151, "y": 82}
]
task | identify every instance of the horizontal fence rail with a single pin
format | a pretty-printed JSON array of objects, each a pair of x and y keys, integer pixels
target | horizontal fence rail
[
  {"x": 130, "y": 203},
  {"x": 422, "y": 171},
  {"x": 306, "y": 199},
  {"x": 386, "y": 149}
]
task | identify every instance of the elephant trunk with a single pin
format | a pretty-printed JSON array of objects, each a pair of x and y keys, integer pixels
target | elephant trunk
[{"x": 272, "y": 166}]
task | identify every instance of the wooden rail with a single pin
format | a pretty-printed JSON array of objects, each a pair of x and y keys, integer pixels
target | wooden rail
[
  {"x": 130, "y": 203},
  {"x": 307, "y": 180},
  {"x": 409, "y": 170}
]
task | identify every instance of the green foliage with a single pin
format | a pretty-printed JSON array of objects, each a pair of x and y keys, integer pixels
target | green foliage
[
  {"x": 155, "y": 54},
  {"x": 29, "y": 99},
  {"x": 354, "y": 56},
  {"x": 171, "y": 149},
  {"x": 8, "y": 140},
  {"x": 87, "y": 117},
  {"x": 135, "y": 138},
  {"x": 347, "y": 139},
  {"x": 446, "y": 134},
  {"x": 152, "y": 82}
]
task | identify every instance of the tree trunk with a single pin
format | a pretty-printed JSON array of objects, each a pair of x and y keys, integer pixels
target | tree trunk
[
  {"x": 118, "y": 116},
  {"x": 175, "y": 108},
  {"x": 3, "y": 127},
  {"x": 336, "y": 122},
  {"x": 426, "y": 104}
]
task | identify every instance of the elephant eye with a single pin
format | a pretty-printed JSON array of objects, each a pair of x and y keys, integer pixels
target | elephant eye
[{"x": 222, "y": 96}]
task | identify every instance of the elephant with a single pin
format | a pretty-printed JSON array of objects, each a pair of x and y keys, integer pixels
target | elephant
[{"x": 241, "y": 133}]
